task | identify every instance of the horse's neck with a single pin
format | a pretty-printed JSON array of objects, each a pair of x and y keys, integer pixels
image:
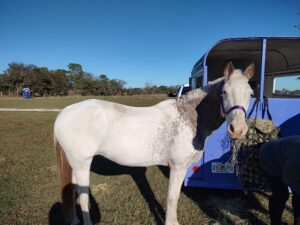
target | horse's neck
[{"x": 201, "y": 108}]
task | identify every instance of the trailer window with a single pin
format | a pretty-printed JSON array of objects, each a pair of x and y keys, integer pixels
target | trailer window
[{"x": 286, "y": 86}]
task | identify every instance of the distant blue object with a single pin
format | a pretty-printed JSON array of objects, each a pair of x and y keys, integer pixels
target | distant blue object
[
  {"x": 26, "y": 93},
  {"x": 273, "y": 57}
]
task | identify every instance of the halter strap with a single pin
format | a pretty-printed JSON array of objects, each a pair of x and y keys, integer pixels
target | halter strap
[{"x": 227, "y": 111}]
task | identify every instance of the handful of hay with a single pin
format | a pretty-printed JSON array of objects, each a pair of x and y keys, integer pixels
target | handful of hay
[{"x": 259, "y": 132}]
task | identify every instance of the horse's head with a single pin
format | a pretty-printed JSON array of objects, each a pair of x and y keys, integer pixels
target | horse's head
[{"x": 235, "y": 96}]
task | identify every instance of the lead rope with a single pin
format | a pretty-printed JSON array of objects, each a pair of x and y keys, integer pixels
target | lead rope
[{"x": 255, "y": 106}]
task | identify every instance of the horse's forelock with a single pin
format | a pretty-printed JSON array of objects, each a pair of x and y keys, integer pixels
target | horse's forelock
[{"x": 237, "y": 75}]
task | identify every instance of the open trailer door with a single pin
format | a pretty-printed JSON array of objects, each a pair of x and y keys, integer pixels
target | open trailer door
[{"x": 276, "y": 76}]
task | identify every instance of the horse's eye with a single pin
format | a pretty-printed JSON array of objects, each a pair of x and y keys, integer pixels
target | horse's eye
[
  {"x": 224, "y": 93},
  {"x": 252, "y": 94}
]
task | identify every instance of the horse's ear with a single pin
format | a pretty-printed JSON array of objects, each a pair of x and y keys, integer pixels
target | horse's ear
[
  {"x": 228, "y": 70},
  {"x": 249, "y": 71}
]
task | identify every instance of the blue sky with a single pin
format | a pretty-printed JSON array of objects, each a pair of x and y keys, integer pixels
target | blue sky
[{"x": 138, "y": 41}]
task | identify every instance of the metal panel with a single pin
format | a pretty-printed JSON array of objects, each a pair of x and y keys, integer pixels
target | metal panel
[
  {"x": 204, "y": 82},
  {"x": 285, "y": 112},
  {"x": 286, "y": 115},
  {"x": 262, "y": 72}
]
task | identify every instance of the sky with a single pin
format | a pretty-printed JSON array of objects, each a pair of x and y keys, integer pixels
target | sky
[{"x": 138, "y": 41}]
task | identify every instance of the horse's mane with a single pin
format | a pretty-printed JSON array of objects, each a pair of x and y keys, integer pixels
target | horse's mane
[
  {"x": 201, "y": 109},
  {"x": 212, "y": 84},
  {"x": 199, "y": 93}
]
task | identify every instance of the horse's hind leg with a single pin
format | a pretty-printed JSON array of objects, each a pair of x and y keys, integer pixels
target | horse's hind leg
[
  {"x": 75, "y": 219},
  {"x": 177, "y": 174},
  {"x": 82, "y": 176}
]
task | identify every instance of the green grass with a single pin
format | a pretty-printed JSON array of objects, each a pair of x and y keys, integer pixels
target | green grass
[
  {"x": 29, "y": 192},
  {"x": 60, "y": 102}
]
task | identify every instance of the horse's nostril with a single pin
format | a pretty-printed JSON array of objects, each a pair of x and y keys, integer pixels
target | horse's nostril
[{"x": 231, "y": 128}]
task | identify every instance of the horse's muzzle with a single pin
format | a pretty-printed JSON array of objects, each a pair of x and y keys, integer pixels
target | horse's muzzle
[{"x": 237, "y": 131}]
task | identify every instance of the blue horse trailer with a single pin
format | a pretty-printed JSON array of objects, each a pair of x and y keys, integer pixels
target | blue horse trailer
[{"x": 277, "y": 77}]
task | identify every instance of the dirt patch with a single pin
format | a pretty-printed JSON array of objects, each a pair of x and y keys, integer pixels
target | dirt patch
[
  {"x": 53, "y": 168},
  {"x": 99, "y": 187}
]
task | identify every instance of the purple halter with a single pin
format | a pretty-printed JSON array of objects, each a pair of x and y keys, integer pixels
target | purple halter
[{"x": 226, "y": 112}]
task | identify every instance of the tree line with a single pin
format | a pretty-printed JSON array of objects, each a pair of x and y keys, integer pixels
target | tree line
[{"x": 74, "y": 81}]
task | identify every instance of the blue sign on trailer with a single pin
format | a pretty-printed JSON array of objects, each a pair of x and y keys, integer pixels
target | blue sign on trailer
[
  {"x": 26, "y": 93},
  {"x": 277, "y": 77}
]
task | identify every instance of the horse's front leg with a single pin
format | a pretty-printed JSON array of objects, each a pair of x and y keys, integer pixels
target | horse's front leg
[{"x": 177, "y": 174}]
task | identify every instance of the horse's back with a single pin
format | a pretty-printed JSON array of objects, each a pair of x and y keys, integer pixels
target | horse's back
[
  {"x": 81, "y": 125},
  {"x": 88, "y": 117},
  {"x": 120, "y": 133}
]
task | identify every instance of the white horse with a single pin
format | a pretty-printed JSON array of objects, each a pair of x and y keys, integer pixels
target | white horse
[{"x": 171, "y": 133}]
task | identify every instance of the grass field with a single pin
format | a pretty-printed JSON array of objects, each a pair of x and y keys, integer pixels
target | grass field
[
  {"x": 29, "y": 192},
  {"x": 60, "y": 102}
]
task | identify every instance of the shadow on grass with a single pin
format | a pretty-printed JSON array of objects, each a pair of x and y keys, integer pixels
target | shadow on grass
[
  {"x": 56, "y": 216},
  {"x": 287, "y": 207},
  {"x": 202, "y": 197},
  {"x": 103, "y": 166}
]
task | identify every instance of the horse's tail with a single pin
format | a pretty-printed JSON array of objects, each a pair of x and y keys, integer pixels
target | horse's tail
[{"x": 66, "y": 185}]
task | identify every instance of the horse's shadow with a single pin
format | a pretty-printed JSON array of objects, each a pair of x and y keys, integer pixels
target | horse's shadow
[
  {"x": 200, "y": 196},
  {"x": 203, "y": 198},
  {"x": 56, "y": 214},
  {"x": 103, "y": 166}
]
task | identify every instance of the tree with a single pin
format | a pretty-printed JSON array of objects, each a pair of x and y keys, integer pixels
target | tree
[
  {"x": 60, "y": 82},
  {"x": 102, "y": 85},
  {"x": 149, "y": 87},
  {"x": 75, "y": 68},
  {"x": 43, "y": 82},
  {"x": 15, "y": 75},
  {"x": 85, "y": 85},
  {"x": 103, "y": 77},
  {"x": 75, "y": 73},
  {"x": 40, "y": 82},
  {"x": 116, "y": 86},
  {"x": 5, "y": 85}
]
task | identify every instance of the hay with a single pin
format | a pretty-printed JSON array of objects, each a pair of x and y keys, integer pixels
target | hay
[{"x": 247, "y": 149}]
